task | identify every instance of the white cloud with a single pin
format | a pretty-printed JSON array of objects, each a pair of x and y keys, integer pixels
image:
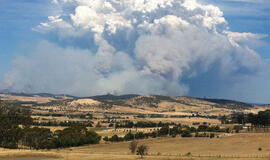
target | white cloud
[
  {"x": 142, "y": 46},
  {"x": 55, "y": 1},
  {"x": 248, "y": 39},
  {"x": 54, "y": 69}
]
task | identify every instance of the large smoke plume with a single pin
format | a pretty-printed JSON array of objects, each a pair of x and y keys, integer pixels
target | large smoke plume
[{"x": 132, "y": 46}]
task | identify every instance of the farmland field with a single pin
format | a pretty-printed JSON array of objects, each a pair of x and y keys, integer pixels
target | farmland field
[
  {"x": 147, "y": 116},
  {"x": 229, "y": 147}
]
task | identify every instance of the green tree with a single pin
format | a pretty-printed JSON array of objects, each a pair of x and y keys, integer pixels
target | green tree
[
  {"x": 11, "y": 116},
  {"x": 129, "y": 136},
  {"x": 133, "y": 146},
  {"x": 142, "y": 150},
  {"x": 186, "y": 133},
  {"x": 38, "y": 138}
]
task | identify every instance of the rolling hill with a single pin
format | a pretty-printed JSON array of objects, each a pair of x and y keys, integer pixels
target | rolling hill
[{"x": 131, "y": 104}]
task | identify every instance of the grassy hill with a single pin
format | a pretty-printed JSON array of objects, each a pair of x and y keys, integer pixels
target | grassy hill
[
  {"x": 229, "y": 103},
  {"x": 131, "y": 103}
]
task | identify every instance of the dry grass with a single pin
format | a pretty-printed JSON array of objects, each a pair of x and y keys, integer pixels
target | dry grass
[
  {"x": 84, "y": 102},
  {"x": 186, "y": 120},
  {"x": 227, "y": 148},
  {"x": 237, "y": 145},
  {"x": 257, "y": 109},
  {"x": 27, "y": 155}
]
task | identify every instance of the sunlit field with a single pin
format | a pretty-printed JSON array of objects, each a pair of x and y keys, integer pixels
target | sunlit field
[{"x": 229, "y": 147}]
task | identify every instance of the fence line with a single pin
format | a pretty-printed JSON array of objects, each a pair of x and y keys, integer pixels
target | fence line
[{"x": 211, "y": 156}]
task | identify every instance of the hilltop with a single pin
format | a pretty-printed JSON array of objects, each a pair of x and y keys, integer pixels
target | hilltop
[{"x": 131, "y": 103}]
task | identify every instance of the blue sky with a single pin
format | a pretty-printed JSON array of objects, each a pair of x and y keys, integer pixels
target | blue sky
[
  {"x": 17, "y": 20},
  {"x": 18, "y": 17},
  {"x": 248, "y": 16},
  {"x": 257, "y": 21}
]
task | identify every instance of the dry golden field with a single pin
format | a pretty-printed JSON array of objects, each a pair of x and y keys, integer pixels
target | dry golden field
[
  {"x": 229, "y": 147},
  {"x": 186, "y": 120}
]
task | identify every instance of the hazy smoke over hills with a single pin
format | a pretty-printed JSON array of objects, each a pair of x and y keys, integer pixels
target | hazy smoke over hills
[{"x": 132, "y": 46}]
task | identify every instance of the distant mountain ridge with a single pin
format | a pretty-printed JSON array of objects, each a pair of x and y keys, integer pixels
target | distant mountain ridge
[
  {"x": 152, "y": 100},
  {"x": 3, "y": 91},
  {"x": 56, "y": 96},
  {"x": 113, "y": 97},
  {"x": 230, "y": 103}
]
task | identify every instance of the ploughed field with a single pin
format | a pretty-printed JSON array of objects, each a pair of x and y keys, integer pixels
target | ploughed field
[{"x": 231, "y": 146}]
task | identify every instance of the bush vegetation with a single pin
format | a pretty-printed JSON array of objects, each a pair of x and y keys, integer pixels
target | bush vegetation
[
  {"x": 15, "y": 122},
  {"x": 262, "y": 119}
]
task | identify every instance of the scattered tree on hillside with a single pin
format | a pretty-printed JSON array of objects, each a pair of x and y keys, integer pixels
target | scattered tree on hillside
[
  {"x": 142, "y": 150},
  {"x": 133, "y": 146}
]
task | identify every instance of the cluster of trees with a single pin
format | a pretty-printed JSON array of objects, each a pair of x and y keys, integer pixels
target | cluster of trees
[
  {"x": 140, "y": 124},
  {"x": 206, "y": 128},
  {"x": 74, "y": 136},
  {"x": 204, "y": 134},
  {"x": 193, "y": 115},
  {"x": 11, "y": 116},
  {"x": 43, "y": 138},
  {"x": 15, "y": 129},
  {"x": 71, "y": 116},
  {"x": 176, "y": 116},
  {"x": 262, "y": 119},
  {"x": 63, "y": 123},
  {"x": 141, "y": 135},
  {"x": 183, "y": 131}
]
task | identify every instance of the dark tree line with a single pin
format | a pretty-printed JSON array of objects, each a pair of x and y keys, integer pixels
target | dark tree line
[
  {"x": 11, "y": 116},
  {"x": 63, "y": 123},
  {"x": 43, "y": 138},
  {"x": 140, "y": 124},
  {"x": 81, "y": 116},
  {"x": 183, "y": 131},
  {"x": 75, "y": 136},
  {"x": 262, "y": 119},
  {"x": 15, "y": 129}
]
